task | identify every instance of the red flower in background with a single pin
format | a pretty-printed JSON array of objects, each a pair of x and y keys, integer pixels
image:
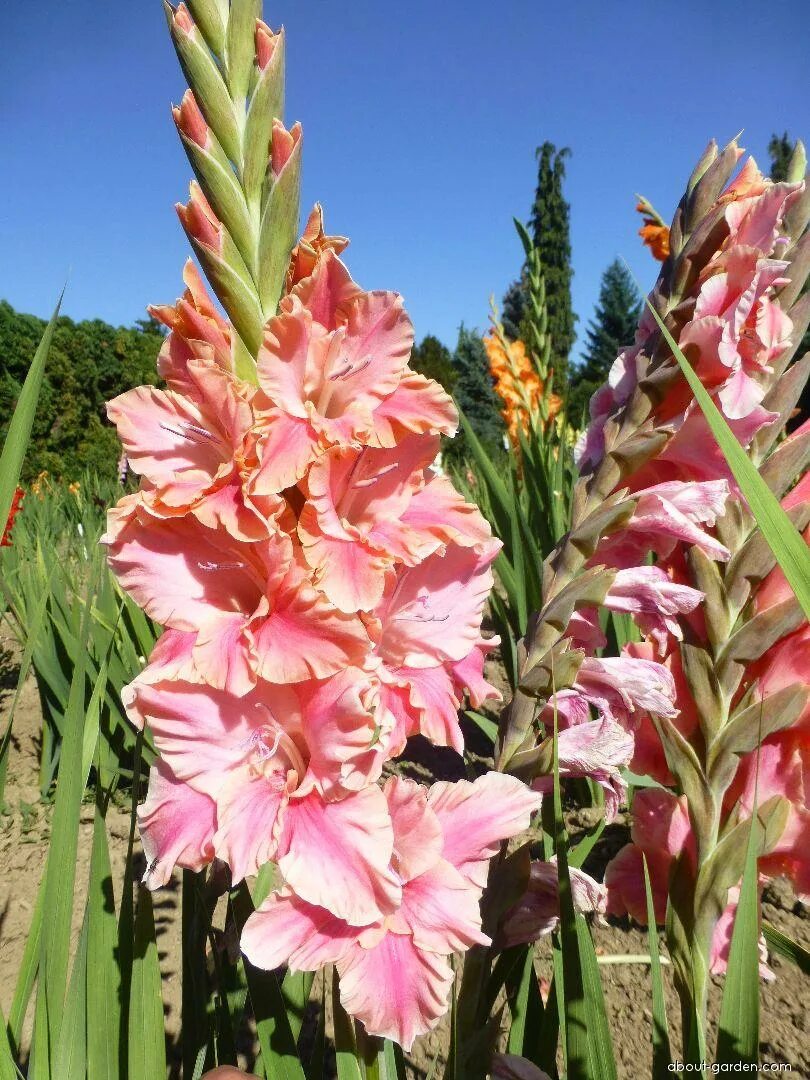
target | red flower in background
[{"x": 16, "y": 506}]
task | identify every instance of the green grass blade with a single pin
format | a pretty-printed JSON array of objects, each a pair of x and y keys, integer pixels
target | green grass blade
[
  {"x": 60, "y": 870},
  {"x": 195, "y": 1020},
  {"x": 8, "y": 1070},
  {"x": 662, "y": 1054},
  {"x": 33, "y": 631},
  {"x": 600, "y": 1046},
  {"x": 103, "y": 973},
  {"x": 348, "y": 1066},
  {"x": 526, "y": 1007},
  {"x": 27, "y": 973},
  {"x": 19, "y": 430},
  {"x": 738, "y": 1029},
  {"x": 147, "y": 1043},
  {"x": 70, "y": 1058},
  {"x": 296, "y": 988},
  {"x": 483, "y": 723},
  {"x": 497, "y": 490},
  {"x": 786, "y": 947},
  {"x": 784, "y": 539}
]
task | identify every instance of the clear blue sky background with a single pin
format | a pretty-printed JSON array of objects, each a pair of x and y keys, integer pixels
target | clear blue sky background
[{"x": 420, "y": 124}]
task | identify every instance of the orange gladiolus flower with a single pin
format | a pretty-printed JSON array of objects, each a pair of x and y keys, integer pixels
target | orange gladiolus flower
[
  {"x": 654, "y": 233},
  {"x": 517, "y": 384}
]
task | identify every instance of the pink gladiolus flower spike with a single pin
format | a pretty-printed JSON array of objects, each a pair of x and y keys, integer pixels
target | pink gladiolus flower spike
[{"x": 394, "y": 973}]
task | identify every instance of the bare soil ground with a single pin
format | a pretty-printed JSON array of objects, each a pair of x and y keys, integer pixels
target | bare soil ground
[{"x": 24, "y": 832}]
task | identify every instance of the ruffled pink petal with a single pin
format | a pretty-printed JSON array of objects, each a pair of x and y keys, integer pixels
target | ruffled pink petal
[
  {"x": 336, "y": 855},
  {"x": 418, "y": 837},
  {"x": 302, "y": 636},
  {"x": 286, "y": 446},
  {"x": 441, "y": 910},
  {"x": 430, "y": 702},
  {"x": 538, "y": 912},
  {"x": 418, "y": 406},
  {"x": 433, "y": 612},
  {"x": 287, "y": 930},
  {"x": 177, "y": 826},
  {"x": 223, "y": 657},
  {"x": 340, "y": 724},
  {"x": 248, "y": 812},
  {"x": 476, "y": 817},
  {"x": 182, "y": 574},
  {"x": 395, "y": 990},
  {"x": 438, "y": 510},
  {"x": 468, "y": 674}
]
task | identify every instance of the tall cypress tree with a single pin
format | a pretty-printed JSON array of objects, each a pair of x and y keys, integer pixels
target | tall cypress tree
[
  {"x": 612, "y": 328},
  {"x": 549, "y": 226},
  {"x": 475, "y": 394},
  {"x": 780, "y": 149}
]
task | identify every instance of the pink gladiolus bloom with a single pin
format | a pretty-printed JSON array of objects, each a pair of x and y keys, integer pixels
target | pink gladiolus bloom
[
  {"x": 784, "y": 769},
  {"x": 290, "y": 771},
  {"x": 654, "y": 601},
  {"x": 193, "y": 450},
  {"x": 331, "y": 358},
  {"x": 370, "y": 509},
  {"x": 665, "y": 515},
  {"x": 538, "y": 911},
  {"x": 595, "y": 749},
  {"x": 177, "y": 826},
  {"x": 394, "y": 973},
  {"x": 194, "y": 318},
  {"x": 252, "y": 606},
  {"x": 737, "y": 330},
  {"x": 619, "y": 686}
]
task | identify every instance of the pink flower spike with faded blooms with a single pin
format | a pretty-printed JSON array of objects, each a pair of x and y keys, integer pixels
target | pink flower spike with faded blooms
[
  {"x": 538, "y": 911},
  {"x": 394, "y": 973}
]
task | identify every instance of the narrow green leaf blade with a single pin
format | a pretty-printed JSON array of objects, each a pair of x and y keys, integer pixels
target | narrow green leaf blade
[
  {"x": 70, "y": 1058},
  {"x": 103, "y": 973},
  {"x": 786, "y": 947},
  {"x": 348, "y": 1066},
  {"x": 19, "y": 430},
  {"x": 147, "y": 1044},
  {"x": 662, "y": 1054},
  {"x": 738, "y": 1029}
]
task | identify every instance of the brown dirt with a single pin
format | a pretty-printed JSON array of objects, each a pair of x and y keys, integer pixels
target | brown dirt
[{"x": 24, "y": 832}]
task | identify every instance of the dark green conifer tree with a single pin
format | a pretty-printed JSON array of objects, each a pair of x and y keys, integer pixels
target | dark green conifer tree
[
  {"x": 780, "y": 149},
  {"x": 549, "y": 226},
  {"x": 433, "y": 360},
  {"x": 475, "y": 394},
  {"x": 612, "y": 328}
]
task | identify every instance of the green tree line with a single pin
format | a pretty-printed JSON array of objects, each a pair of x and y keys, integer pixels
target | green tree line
[{"x": 89, "y": 363}]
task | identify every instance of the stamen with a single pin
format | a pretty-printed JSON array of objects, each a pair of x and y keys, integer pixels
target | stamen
[
  {"x": 182, "y": 428},
  {"x": 349, "y": 369},
  {"x": 220, "y": 565},
  {"x": 377, "y": 476}
]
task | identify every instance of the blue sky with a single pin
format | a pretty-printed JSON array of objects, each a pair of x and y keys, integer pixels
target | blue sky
[{"x": 420, "y": 124}]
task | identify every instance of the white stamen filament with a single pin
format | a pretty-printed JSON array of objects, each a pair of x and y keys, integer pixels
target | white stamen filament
[{"x": 182, "y": 428}]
